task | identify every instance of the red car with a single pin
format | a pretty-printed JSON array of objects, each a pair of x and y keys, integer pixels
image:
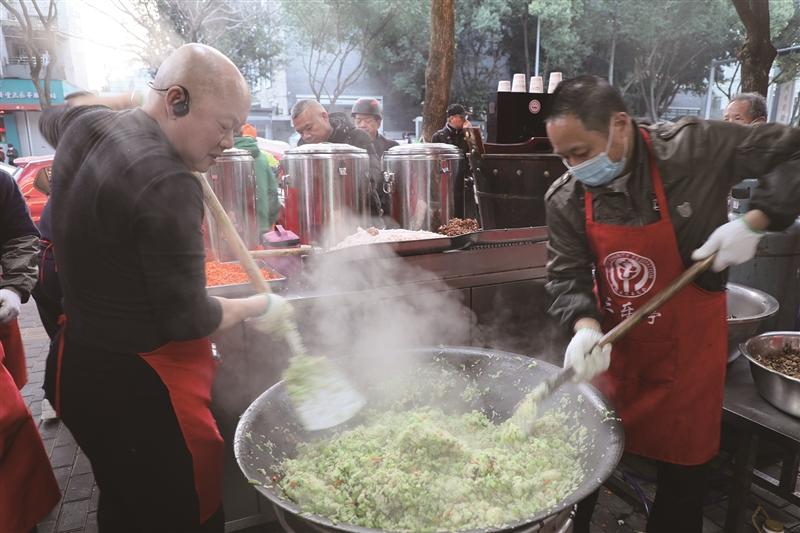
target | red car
[{"x": 24, "y": 173}]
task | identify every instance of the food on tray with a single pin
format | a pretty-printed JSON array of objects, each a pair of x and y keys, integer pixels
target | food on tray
[
  {"x": 230, "y": 274},
  {"x": 374, "y": 235},
  {"x": 459, "y": 226},
  {"x": 786, "y": 362},
  {"x": 424, "y": 470}
]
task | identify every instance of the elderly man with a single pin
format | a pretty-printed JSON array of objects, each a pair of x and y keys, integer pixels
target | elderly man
[
  {"x": 314, "y": 125},
  {"x": 746, "y": 108},
  {"x": 635, "y": 208},
  {"x": 368, "y": 116},
  {"x": 131, "y": 369}
]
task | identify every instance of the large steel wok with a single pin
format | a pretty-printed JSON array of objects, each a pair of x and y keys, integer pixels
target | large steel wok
[{"x": 269, "y": 430}]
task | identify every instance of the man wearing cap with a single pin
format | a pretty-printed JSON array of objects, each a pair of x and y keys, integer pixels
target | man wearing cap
[
  {"x": 368, "y": 116},
  {"x": 453, "y": 133},
  {"x": 637, "y": 206},
  {"x": 314, "y": 125},
  {"x": 746, "y": 108}
]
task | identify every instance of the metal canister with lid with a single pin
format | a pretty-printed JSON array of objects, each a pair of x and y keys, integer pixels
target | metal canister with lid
[
  {"x": 233, "y": 179},
  {"x": 327, "y": 189},
  {"x": 422, "y": 181}
]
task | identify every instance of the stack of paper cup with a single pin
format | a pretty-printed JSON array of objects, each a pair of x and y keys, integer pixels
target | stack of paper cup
[
  {"x": 555, "y": 79},
  {"x": 518, "y": 85},
  {"x": 537, "y": 85},
  {"x": 504, "y": 86}
]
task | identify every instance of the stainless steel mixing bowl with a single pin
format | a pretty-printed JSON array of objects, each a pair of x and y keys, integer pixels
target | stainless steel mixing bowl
[
  {"x": 778, "y": 389},
  {"x": 749, "y": 308}
]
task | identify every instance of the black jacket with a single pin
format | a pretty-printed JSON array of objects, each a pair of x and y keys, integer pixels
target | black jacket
[
  {"x": 450, "y": 135},
  {"x": 381, "y": 144},
  {"x": 699, "y": 162}
]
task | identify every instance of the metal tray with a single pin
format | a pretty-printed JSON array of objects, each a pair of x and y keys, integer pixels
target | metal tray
[
  {"x": 496, "y": 238},
  {"x": 384, "y": 249},
  {"x": 237, "y": 290}
]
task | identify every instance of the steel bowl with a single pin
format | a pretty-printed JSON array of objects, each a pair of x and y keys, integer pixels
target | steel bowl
[
  {"x": 749, "y": 307},
  {"x": 777, "y": 388}
]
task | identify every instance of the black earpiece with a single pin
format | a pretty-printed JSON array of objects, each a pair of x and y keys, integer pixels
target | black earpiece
[{"x": 181, "y": 107}]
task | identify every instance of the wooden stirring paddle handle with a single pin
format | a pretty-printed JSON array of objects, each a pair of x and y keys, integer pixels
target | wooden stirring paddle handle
[
  {"x": 232, "y": 237},
  {"x": 563, "y": 376}
]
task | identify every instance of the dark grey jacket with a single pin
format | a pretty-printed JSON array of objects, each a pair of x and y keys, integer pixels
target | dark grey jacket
[
  {"x": 699, "y": 162},
  {"x": 19, "y": 240}
]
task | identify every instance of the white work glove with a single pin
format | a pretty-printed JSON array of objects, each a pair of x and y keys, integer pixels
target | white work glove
[
  {"x": 9, "y": 305},
  {"x": 733, "y": 242},
  {"x": 277, "y": 318},
  {"x": 586, "y": 356}
]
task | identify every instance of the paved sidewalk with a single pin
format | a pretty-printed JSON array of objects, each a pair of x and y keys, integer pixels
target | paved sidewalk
[{"x": 77, "y": 510}]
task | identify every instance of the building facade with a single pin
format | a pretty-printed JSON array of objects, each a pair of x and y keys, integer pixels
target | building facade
[{"x": 20, "y": 107}]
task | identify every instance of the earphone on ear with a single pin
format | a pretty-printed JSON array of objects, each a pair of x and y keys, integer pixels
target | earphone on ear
[{"x": 181, "y": 107}]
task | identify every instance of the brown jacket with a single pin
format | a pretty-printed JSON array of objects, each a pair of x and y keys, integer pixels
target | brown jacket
[{"x": 699, "y": 162}]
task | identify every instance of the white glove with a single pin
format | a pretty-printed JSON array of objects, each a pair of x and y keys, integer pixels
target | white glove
[
  {"x": 9, "y": 305},
  {"x": 278, "y": 315},
  {"x": 734, "y": 243},
  {"x": 586, "y": 356}
]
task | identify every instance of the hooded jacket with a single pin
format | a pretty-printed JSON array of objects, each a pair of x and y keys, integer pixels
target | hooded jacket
[{"x": 267, "y": 204}]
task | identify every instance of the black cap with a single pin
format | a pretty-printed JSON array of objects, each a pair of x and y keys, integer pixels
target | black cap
[{"x": 456, "y": 109}]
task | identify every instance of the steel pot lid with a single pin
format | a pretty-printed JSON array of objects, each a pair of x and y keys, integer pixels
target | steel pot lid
[
  {"x": 424, "y": 151},
  {"x": 324, "y": 149},
  {"x": 232, "y": 153}
]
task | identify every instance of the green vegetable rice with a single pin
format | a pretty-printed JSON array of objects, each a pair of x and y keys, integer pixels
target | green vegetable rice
[{"x": 424, "y": 470}]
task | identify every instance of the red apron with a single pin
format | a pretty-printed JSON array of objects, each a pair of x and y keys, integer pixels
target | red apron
[
  {"x": 11, "y": 340},
  {"x": 28, "y": 489},
  {"x": 187, "y": 370},
  {"x": 667, "y": 375}
]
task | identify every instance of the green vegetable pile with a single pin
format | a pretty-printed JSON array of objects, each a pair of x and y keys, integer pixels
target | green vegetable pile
[{"x": 424, "y": 470}]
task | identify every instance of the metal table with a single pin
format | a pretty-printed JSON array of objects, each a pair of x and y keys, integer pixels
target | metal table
[{"x": 752, "y": 418}]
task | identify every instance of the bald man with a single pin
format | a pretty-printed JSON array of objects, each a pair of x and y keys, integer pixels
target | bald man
[
  {"x": 315, "y": 125},
  {"x": 131, "y": 368}
]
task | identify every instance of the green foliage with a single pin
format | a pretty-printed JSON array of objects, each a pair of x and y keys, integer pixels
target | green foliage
[
  {"x": 337, "y": 38},
  {"x": 244, "y": 31}
]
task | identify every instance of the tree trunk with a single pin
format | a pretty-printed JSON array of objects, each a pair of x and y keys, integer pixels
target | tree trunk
[
  {"x": 441, "y": 58},
  {"x": 757, "y": 53}
]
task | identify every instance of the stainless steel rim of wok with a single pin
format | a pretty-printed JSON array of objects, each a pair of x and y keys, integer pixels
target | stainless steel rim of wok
[{"x": 271, "y": 418}]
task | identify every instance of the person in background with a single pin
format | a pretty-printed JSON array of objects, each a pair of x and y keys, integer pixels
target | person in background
[
  {"x": 131, "y": 367},
  {"x": 453, "y": 133},
  {"x": 12, "y": 154},
  {"x": 368, "y": 116},
  {"x": 637, "y": 205},
  {"x": 267, "y": 204},
  {"x": 746, "y": 108},
  {"x": 312, "y": 122},
  {"x": 2, "y": 156},
  {"x": 29, "y": 488}
]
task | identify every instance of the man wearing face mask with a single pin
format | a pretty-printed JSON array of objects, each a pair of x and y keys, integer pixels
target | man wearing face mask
[
  {"x": 636, "y": 207},
  {"x": 746, "y": 108}
]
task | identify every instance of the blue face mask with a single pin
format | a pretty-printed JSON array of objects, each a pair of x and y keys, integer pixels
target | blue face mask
[{"x": 599, "y": 170}]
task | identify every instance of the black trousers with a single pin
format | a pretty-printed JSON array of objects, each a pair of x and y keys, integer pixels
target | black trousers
[
  {"x": 678, "y": 505},
  {"x": 120, "y": 413}
]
